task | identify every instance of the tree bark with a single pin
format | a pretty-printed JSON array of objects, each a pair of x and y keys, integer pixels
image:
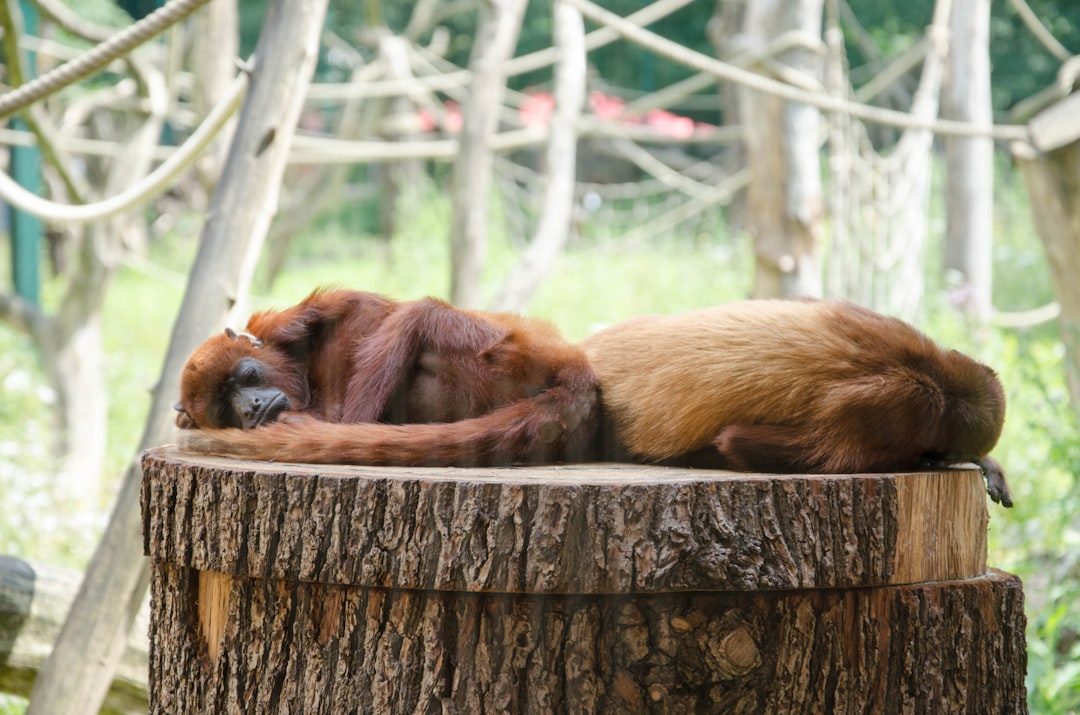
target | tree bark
[
  {"x": 80, "y": 668},
  {"x": 496, "y": 38},
  {"x": 34, "y": 599},
  {"x": 557, "y": 211},
  {"x": 585, "y": 588},
  {"x": 573, "y": 529},
  {"x": 969, "y": 202}
]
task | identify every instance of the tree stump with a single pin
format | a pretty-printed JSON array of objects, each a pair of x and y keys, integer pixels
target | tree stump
[{"x": 580, "y": 588}]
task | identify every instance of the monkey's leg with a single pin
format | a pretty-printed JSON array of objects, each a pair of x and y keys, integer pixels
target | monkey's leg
[{"x": 763, "y": 448}]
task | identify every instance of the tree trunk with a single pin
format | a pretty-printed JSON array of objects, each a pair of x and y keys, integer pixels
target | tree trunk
[
  {"x": 969, "y": 200},
  {"x": 1053, "y": 183},
  {"x": 80, "y": 668},
  {"x": 782, "y": 140},
  {"x": 215, "y": 47},
  {"x": 496, "y": 38},
  {"x": 397, "y": 179},
  {"x": 561, "y": 164},
  {"x": 78, "y": 363},
  {"x": 724, "y": 30},
  {"x": 76, "y": 366},
  {"x": 582, "y": 588}
]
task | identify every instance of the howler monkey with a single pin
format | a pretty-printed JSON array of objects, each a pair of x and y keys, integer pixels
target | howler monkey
[
  {"x": 796, "y": 386},
  {"x": 354, "y": 357},
  {"x": 770, "y": 385}
]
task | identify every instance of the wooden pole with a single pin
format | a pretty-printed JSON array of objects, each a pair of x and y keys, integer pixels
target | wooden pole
[
  {"x": 494, "y": 43},
  {"x": 584, "y": 588}
]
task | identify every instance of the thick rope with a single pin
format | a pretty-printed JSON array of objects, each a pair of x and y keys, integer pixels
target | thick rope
[
  {"x": 152, "y": 184},
  {"x": 761, "y": 83},
  {"x": 119, "y": 44}
]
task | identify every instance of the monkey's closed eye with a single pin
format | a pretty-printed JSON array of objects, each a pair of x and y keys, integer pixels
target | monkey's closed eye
[
  {"x": 183, "y": 418},
  {"x": 248, "y": 372}
]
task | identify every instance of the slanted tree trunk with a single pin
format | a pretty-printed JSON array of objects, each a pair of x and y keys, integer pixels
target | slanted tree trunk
[
  {"x": 496, "y": 38},
  {"x": 77, "y": 674},
  {"x": 969, "y": 192},
  {"x": 782, "y": 139},
  {"x": 558, "y": 207},
  {"x": 580, "y": 588}
]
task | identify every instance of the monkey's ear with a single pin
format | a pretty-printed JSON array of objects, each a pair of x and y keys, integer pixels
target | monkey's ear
[
  {"x": 257, "y": 342},
  {"x": 183, "y": 419}
]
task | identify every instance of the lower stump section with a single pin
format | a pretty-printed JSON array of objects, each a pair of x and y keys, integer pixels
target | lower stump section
[{"x": 267, "y": 645}]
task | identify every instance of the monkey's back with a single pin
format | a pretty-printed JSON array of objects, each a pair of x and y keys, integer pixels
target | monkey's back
[{"x": 670, "y": 383}]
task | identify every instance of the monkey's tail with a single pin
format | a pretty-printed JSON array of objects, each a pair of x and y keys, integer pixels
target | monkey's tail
[{"x": 560, "y": 424}]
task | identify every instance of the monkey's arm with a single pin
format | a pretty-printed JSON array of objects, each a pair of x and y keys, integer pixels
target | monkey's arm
[
  {"x": 293, "y": 329},
  {"x": 385, "y": 360},
  {"x": 559, "y": 424}
]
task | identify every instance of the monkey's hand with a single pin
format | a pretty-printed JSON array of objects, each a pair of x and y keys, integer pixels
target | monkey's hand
[{"x": 996, "y": 486}]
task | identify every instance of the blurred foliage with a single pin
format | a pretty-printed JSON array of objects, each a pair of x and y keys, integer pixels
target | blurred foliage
[{"x": 1020, "y": 64}]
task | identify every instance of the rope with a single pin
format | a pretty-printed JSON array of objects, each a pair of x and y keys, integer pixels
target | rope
[
  {"x": 825, "y": 102},
  {"x": 151, "y": 184},
  {"x": 1035, "y": 26},
  {"x": 119, "y": 44}
]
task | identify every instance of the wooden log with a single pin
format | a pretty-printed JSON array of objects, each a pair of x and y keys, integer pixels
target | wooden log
[
  {"x": 34, "y": 600},
  {"x": 584, "y": 588}
]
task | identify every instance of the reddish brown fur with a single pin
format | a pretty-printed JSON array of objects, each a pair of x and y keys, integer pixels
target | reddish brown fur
[
  {"x": 760, "y": 385},
  {"x": 350, "y": 357}
]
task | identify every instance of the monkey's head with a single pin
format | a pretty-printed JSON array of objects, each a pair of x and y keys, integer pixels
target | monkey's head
[
  {"x": 233, "y": 380},
  {"x": 975, "y": 410}
]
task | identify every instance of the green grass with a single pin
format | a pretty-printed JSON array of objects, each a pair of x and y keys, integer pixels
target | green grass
[{"x": 595, "y": 282}]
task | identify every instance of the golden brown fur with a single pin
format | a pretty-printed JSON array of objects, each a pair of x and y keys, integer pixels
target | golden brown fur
[{"x": 807, "y": 386}]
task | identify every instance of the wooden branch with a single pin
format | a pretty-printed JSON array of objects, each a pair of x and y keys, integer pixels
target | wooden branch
[
  {"x": 496, "y": 37},
  {"x": 34, "y": 598},
  {"x": 24, "y": 316}
]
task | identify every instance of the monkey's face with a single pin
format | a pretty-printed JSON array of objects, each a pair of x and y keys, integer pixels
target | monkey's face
[{"x": 230, "y": 381}]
